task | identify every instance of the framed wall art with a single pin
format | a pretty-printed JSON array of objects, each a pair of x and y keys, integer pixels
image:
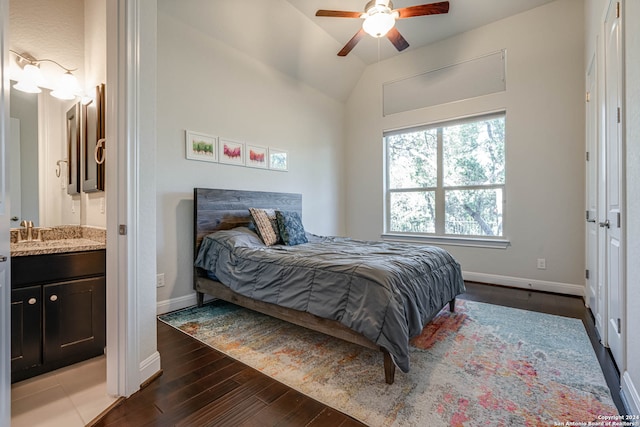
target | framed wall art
[
  {"x": 231, "y": 152},
  {"x": 278, "y": 159},
  {"x": 201, "y": 147},
  {"x": 257, "y": 156}
]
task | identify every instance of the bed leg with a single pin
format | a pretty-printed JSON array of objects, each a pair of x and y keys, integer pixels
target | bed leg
[
  {"x": 389, "y": 367},
  {"x": 200, "y": 296},
  {"x": 452, "y": 305}
]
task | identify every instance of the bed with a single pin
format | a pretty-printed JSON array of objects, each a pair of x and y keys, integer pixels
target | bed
[{"x": 373, "y": 294}]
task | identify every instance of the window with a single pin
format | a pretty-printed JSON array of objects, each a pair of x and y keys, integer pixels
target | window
[{"x": 447, "y": 179}]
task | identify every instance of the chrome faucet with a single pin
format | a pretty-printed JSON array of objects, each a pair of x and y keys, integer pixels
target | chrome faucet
[{"x": 29, "y": 226}]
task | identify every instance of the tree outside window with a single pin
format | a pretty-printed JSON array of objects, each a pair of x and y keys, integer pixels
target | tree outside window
[{"x": 447, "y": 179}]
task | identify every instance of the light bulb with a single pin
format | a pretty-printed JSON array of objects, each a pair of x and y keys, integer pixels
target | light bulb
[
  {"x": 378, "y": 24},
  {"x": 30, "y": 79},
  {"x": 67, "y": 88}
]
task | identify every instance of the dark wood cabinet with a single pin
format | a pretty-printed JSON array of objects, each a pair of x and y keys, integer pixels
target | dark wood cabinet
[
  {"x": 26, "y": 327},
  {"x": 58, "y": 311}
]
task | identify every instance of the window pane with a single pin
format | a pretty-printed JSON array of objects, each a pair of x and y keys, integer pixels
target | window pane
[
  {"x": 412, "y": 159},
  {"x": 413, "y": 212},
  {"x": 474, "y": 153},
  {"x": 474, "y": 212}
]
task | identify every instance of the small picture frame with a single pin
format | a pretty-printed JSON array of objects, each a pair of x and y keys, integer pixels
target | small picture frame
[
  {"x": 231, "y": 152},
  {"x": 257, "y": 156},
  {"x": 278, "y": 159},
  {"x": 201, "y": 147}
]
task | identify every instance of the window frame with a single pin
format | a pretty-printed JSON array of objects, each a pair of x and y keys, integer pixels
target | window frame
[{"x": 439, "y": 235}]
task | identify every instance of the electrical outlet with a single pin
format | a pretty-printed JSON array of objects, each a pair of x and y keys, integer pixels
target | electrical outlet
[
  {"x": 160, "y": 280},
  {"x": 102, "y": 205},
  {"x": 542, "y": 264}
]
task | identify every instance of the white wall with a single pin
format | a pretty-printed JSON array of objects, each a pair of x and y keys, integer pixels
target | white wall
[
  {"x": 545, "y": 142},
  {"x": 206, "y": 86}
]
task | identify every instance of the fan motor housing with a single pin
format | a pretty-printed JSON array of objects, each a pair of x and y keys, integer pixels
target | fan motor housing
[{"x": 385, "y": 3}]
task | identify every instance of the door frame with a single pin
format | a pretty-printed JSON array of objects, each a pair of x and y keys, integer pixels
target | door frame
[
  {"x": 132, "y": 356},
  {"x": 5, "y": 269},
  {"x": 591, "y": 196}
]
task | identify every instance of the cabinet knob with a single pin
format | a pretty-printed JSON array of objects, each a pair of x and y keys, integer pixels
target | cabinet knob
[
  {"x": 32, "y": 301},
  {"x": 53, "y": 297}
]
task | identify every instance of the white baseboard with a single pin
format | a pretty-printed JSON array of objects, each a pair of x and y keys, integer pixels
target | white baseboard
[
  {"x": 149, "y": 367},
  {"x": 517, "y": 282},
  {"x": 630, "y": 394},
  {"x": 179, "y": 303}
]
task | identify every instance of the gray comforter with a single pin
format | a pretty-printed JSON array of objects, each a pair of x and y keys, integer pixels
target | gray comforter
[{"x": 385, "y": 291}]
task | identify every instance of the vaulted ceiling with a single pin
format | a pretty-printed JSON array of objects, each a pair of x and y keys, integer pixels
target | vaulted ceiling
[
  {"x": 464, "y": 15},
  {"x": 286, "y": 34}
]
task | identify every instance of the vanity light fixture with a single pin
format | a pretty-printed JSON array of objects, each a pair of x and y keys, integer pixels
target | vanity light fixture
[{"x": 31, "y": 79}]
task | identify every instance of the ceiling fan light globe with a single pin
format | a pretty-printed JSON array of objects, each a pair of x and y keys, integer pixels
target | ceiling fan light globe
[{"x": 378, "y": 24}]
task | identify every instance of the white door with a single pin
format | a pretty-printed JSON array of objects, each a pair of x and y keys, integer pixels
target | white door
[
  {"x": 5, "y": 276},
  {"x": 612, "y": 223},
  {"x": 592, "y": 192}
]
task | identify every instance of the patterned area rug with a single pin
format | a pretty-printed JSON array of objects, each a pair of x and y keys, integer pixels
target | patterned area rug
[{"x": 483, "y": 365}]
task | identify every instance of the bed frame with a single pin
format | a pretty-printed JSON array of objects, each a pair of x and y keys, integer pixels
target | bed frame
[{"x": 216, "y": 209}]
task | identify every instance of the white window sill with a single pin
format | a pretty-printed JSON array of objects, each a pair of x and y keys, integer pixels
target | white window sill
[{"x": 475, "y": 242}]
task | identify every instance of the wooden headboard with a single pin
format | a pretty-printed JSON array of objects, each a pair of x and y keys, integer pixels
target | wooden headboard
[{"x": 216, "y": 209}]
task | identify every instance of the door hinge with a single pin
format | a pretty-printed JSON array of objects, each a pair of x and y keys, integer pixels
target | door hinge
[
  {"x": 587, "y": 97},
  {"x": 619, "y": 115},
  {"x": 619, "y": 326},
  {"x": 618, "y": 10},
  {"x": 619, "y": 220},
  {"x": 587, "y": 156},
  {"x": 122, "y": 230},
  {"x": 586, "y": 274}
]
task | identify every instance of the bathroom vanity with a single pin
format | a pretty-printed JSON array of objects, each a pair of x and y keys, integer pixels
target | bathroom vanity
[{"x": 58, "y": 303}]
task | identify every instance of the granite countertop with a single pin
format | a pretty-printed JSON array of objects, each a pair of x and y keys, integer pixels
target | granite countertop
[
  {"x": 60, "y": 239},
  {"x": 54, "y": 247}
]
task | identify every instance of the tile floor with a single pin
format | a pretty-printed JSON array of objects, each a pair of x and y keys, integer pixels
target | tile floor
[{"x": 69, "y": 397}]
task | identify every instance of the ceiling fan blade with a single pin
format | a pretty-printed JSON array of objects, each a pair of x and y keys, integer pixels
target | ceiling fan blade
[
  {"x": 352, "y": 43},
  {"x": 423, "y": 9},
  {"x": 396, "y": 38},
  {"x": 338, "y": 14}
]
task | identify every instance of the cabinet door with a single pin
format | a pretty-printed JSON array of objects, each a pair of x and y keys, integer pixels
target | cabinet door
[
  {"x": 74, "y": 320},
  {"x": 26, "y": 327}
]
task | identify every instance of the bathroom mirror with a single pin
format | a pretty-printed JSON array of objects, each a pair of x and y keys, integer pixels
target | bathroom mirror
[
  {"x": 38, "y": 166},
  {"x": 93, "y": 142}
]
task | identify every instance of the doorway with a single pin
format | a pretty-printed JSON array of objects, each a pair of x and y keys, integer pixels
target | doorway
[
  {"x": 131, "y": 336},
  {"x": 605, "y": 186}
]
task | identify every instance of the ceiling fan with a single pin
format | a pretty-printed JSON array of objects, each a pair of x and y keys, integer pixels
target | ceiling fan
[{"x": 380, "y": 18}]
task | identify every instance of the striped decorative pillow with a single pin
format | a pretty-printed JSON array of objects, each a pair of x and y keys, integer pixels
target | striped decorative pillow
[{"x": 266, "y": 225}]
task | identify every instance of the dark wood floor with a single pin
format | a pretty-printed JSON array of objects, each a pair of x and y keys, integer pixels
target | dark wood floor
[{"x": 201, "y": 386}]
